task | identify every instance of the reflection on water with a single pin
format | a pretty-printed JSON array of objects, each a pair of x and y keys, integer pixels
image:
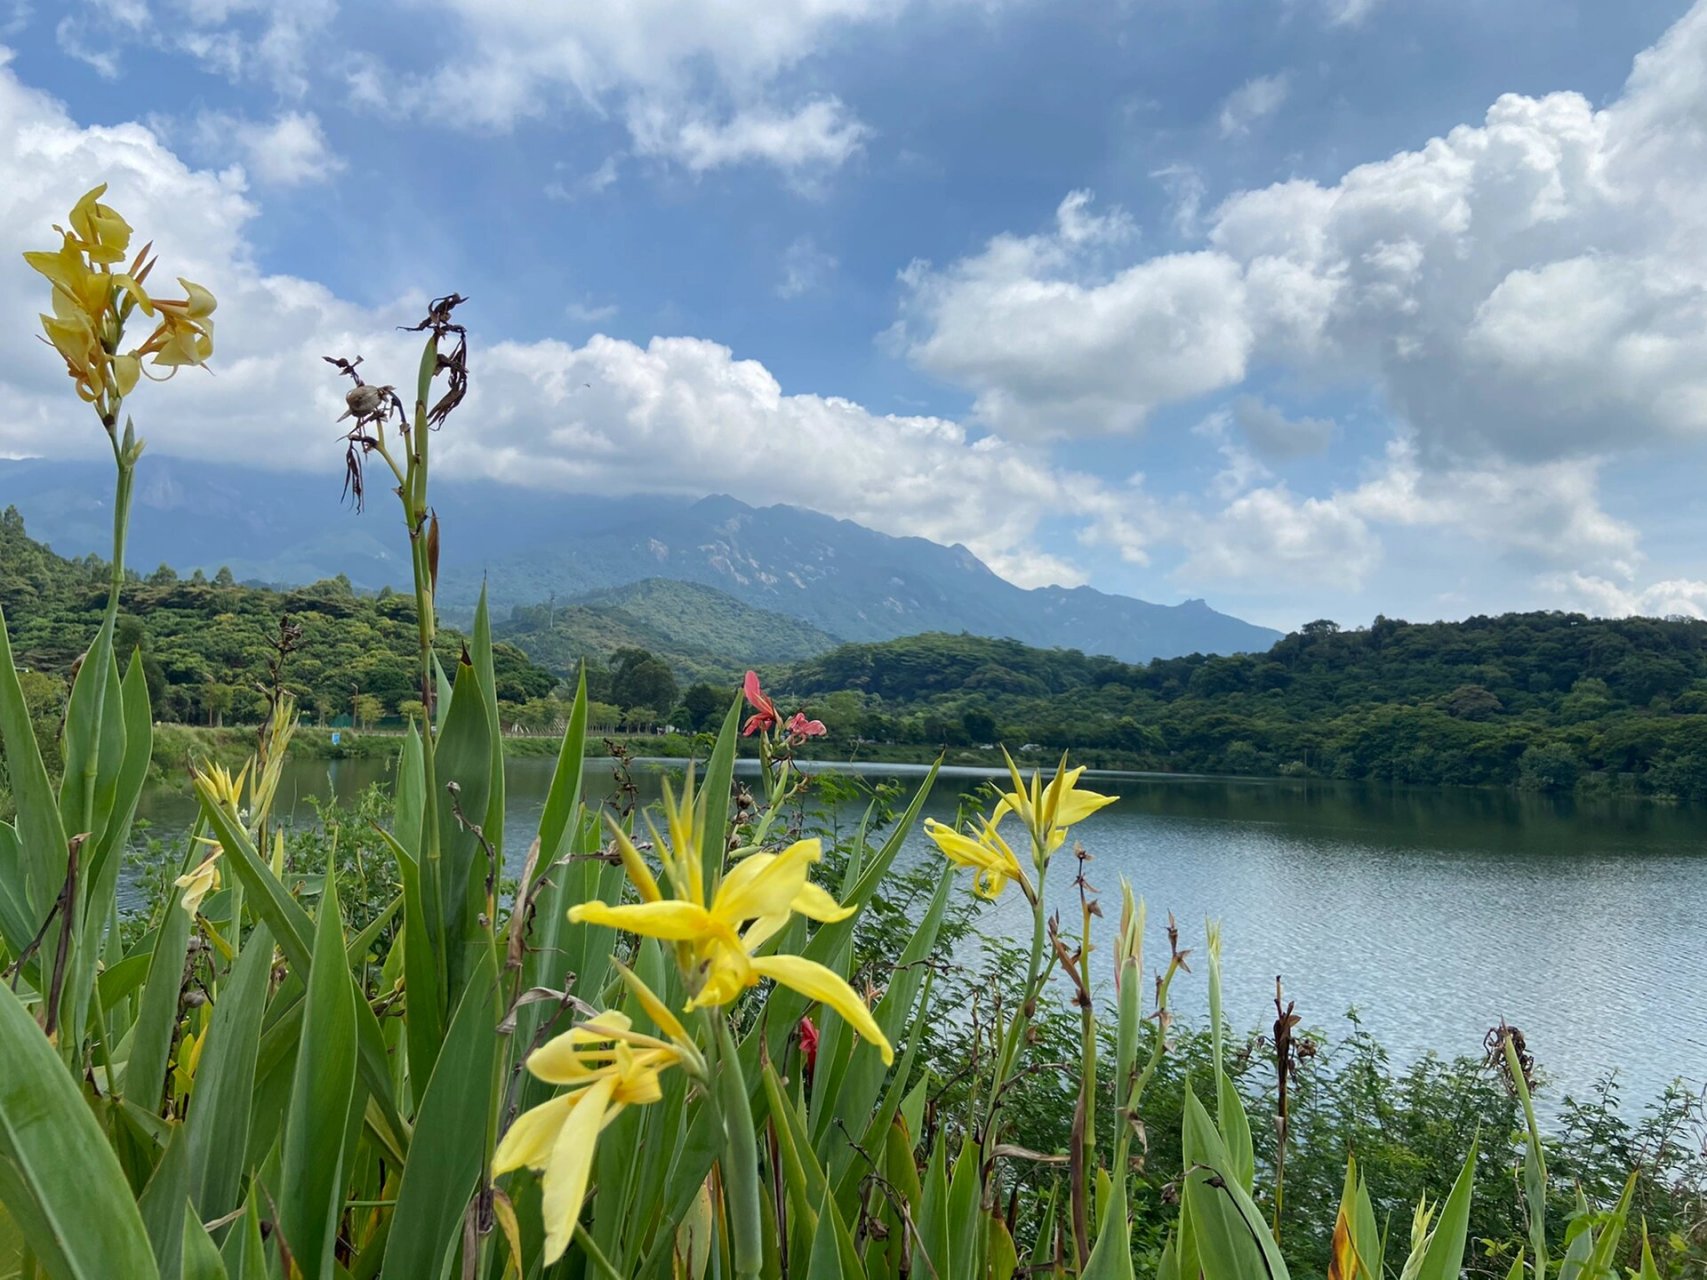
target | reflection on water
[{"x": 1434, "y": 913}]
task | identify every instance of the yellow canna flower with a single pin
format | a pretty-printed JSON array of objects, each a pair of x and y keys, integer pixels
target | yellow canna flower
[
  {"x": 100, "y": 232},
  {"x": 1049, "y": 811},
  {"x": 718, "y": 940},
  {"x": 608, "y": 1066},
  {"x": 185, "y": 334},
  {"x": 223, "y": 789},
  {"x": 202, "y": 880},
  {"x": 993, "y": 859},
  {"x": 91, "y": 303}
]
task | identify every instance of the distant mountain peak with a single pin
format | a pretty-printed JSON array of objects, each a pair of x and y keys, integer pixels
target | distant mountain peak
[{"x": 838, "y": 576}]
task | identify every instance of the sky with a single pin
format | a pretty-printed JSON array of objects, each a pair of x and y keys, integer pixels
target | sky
[{"x": 1311, "y": 308}]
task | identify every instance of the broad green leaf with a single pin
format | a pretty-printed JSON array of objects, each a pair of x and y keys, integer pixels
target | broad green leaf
[
  {"x": 719, "y": 777},
  {"x": 1232, "y": 1241},
  {"x": 424, "y": 1027},
  {"x": 41, "y": 835},
  {"x": 244, "y": 1253},
  {"x": 162, "y": 1204},
  {"x": 450, "y": 1136},
  {"x": 931, "y": 1251},
  {"x": 1444, "y": 1258},
  {"x": 965, "y": 1208},
  {"x": 218, "y": 1120},
  {"x": 463, "y": 761},
  {"x": 61, "y": 1181},
  {"x": 1003, "y": 1254},
  {"x": 157, "y": 1019},
  {"x": 310, "y": 1192},
  {"x": 200, "y": 1254},
  {"x": 480, "y": 648}
]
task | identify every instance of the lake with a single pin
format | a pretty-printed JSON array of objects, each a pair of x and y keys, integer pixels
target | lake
[{"x": 1433, "y": 912}]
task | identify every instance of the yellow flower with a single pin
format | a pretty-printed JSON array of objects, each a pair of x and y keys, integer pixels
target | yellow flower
[
  {"x": 200, "y": 881},
  {"x": 608, "y": 1066},
  {"x": 101, "y": 233},
  {"x": 221, "y": 788},
  {"x": 750, "y": 906},
  {"x": 993, "y": 859},
  {"x": 185, "y": 334},
  {"x": 1049, "y": 811}
]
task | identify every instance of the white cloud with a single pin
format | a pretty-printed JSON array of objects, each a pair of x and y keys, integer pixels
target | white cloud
[
  {"x": 288, "y": 151},
  {"x": 1270, "y": 536},
  {"x": 572, "y": 188},
  {"x": 805, "y": 268},
  {"x": 1676, "y": 597},
  {"x": 1534, "y": 286},
  {"x": 275, "y": 43},
  {"x": 814, "y": 137},
  {"x": 72, "y": 36},
  {"x": 678, "y": 414},
  {"x": 1052, "y": 346},
  {"x": 695, "y": 83},
  {"x": 1252, "y": 102}
]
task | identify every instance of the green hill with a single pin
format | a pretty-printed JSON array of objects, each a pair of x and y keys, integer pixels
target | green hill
[
  {"x": 206, "y": 645},
  {"x": 701, "y": 632},
  {"x": 1553, "y": 701}
]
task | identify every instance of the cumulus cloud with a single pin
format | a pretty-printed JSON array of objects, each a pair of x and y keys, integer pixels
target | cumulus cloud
[
  {"x": 1052, "y": 345},
  {"x": 1251, "y": 103},
  {"x": 289, "y": 150},
  {"x": 678, "y": 414},
  {"x": 1675, "y": 597},
  {"x": 1532, "y": 287},
  {"x": 814, "y": 137},
  {"x": 695, "y": 83}
]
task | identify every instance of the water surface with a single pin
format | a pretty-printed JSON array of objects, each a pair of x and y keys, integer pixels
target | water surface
[{"x": 1433, "y": 913}]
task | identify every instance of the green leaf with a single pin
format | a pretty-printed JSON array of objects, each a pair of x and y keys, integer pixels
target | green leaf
[
  {"x": 931, "y": 1250},
  {"x": 1444, "y": 1258},
  {"x": 162, "y": 1204},
  {"x": 244, "y": 1254},
  {"x": 218, "y": 1121},
  {"x": 58, "y": 1177},
  {"x": 423, "y": 1029},
  {"x": 480, "y": 648},
  {"x": 1231, "y": 1239},
  {"x": 463, "y": 761},
  {"x": 157, "y": 1019},
  {"x": 443, "y": 1169},
  {"x": 719, "y": 776},
  {"x": 965, "y": 1209},
  {"x": 40, "y": 833},
  {"x": 200, "y": 1254},
  {"x": 322, "y": 1095}
]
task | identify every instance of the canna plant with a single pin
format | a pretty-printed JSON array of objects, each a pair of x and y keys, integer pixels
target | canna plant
[{"x": 662, "y": 1055}]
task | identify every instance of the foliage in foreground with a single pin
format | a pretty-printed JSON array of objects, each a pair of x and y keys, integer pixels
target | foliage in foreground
[{"x": 661, "y": 1022}]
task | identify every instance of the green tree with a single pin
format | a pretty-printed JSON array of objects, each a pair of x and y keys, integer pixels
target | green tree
[
  {"x": 704, "y": 705},
  {"x": 638, "y": 679}
]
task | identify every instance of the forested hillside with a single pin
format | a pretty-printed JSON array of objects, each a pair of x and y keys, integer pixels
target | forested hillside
[
  {"x": 701, "y": 633},
  {"x": 1548, "y": 700},
  {"x": 206, "y": 643}
]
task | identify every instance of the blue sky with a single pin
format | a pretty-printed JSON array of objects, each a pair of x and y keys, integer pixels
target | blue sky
[{"x": 1311, "y": 308}]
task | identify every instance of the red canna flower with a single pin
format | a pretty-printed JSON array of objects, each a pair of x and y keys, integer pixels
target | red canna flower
[
  {"x": 800, "y": 728},
  {"x": 764, "y": 710},
  {"x": 808, "y": 1044}
]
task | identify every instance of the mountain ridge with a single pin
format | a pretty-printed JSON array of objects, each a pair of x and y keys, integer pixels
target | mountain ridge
[{"x": 526, "y": 547}]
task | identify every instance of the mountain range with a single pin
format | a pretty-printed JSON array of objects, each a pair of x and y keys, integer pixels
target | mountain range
[{"x": 840, "y": 579}]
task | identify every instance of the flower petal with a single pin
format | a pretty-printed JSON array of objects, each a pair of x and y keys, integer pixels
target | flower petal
[
  {"x": 815, "y": 982},
  {"x": 670, "y": 919},
  {"x": 571, "y": 1164},
  {"x": 529, "y": 1140}
]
